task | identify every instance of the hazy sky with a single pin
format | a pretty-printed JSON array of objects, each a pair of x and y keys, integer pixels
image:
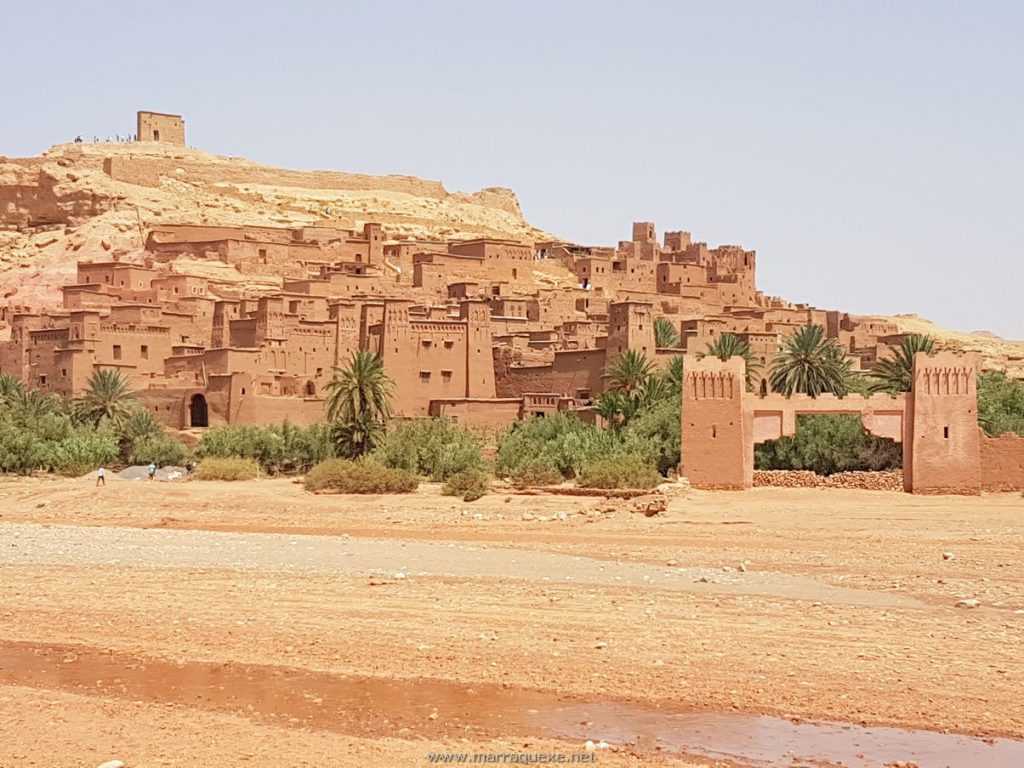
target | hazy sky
[{"x": 871, "y": 152}]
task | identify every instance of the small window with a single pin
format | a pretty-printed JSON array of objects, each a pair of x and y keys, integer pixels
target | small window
[
  {"x": 945, "y": 432},
  {"x": 144, "y": 351},
  {"x": 424, "y": 377},
  {"x": 156, "y": 135},
  {"x": 64, "y": 372},
  {"x": 117, "y": 351},
  {"x": 42, "y": 379},
  {"x": 243, "y": 390}
]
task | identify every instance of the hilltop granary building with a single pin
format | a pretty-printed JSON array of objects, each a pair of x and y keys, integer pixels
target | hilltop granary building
[
  {"x": 157, "y": 126},
  {"x": 485, "y": 331}
]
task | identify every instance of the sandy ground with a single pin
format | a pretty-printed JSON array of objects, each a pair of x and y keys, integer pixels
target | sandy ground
[{"x": 171, "y": 624}]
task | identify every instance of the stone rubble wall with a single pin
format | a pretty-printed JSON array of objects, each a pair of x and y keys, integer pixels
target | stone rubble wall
[{"x": 868, "y": 481}]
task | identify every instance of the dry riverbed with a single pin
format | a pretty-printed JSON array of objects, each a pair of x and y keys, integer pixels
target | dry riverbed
[{"x": 251, "y": 624}]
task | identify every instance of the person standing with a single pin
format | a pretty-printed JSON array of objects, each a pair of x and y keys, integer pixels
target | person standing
[
  {"x": 152, "y": 471},
  {"x": 101, "y": 476}
]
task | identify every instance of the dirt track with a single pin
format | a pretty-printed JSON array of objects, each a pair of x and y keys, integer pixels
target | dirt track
[{"x": 396, "y": 612}]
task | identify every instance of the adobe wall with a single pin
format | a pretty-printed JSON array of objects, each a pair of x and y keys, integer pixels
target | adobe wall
[
  {"x": 1002, "y": 462},
  {"x": 573, "y": 372},
  {"x": 497, "y": 413},
  {"x": 259, "y": 409},
  {"x": 156, "y": 126},
  {"x": 224, "y": 173},
  {"x": 144, "y": 173}
]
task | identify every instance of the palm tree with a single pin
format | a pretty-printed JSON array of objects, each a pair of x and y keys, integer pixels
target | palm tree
[
  {"x": 665, "y": 335},
  {"x": 33, "y": 404},
  {"x": 615, "y": 408},
  {"x": 10, "y": 388},
  {"x": 729, "y": 345},
  {"x": 134, "y": 427},
  {"x": 654, "y": 391},
  {"x": 809, "y": 363},
  {"x": 673, "y": 374},
  {"x": 359, "y": 402},
  {"x": 628, "y": 373},
  {"x": 107, "y": 398},
  {"x": 895, "y": 373}
]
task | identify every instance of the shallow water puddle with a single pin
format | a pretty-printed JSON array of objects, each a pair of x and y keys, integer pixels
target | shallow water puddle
[
  {"x": 440, "y": 709},
  {"x": 774, "y": 742}
]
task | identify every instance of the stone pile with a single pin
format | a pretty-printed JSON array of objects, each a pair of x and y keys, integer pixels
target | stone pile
[{"x": 869, "y": 481}]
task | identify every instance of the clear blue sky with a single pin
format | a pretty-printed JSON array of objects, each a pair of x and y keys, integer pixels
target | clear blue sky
[{"x": 871, "y": 152}]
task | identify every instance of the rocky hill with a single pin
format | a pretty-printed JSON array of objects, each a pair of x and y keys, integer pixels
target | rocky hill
[{"x": 78, "y": 198}]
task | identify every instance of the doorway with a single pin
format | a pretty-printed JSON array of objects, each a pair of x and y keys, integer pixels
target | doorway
[{"x": 199, "y": 415}]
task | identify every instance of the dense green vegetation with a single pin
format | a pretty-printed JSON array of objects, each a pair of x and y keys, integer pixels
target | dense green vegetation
[
  {"x": 627, "y": 471},
  {"x": 1000, "y": 403},
  {"x": 638, "y": 447},
  {"x": 363, "y": 475},
  {"x": 433, "y": 448},
  {"x": 285, "y": 448},
  {"x": 106, "y": 427},
  {"x": 827, "y": 444},
  {"x": 227, "y": 468}
]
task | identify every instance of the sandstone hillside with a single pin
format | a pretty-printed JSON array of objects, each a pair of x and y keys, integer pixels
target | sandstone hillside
[{"x": 84, "y": 199}]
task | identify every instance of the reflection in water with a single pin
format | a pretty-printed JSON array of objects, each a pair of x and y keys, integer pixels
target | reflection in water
[{"x": 773, "y": 741}]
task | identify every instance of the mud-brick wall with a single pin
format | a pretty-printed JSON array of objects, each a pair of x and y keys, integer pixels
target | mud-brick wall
[{"x": 1002, "y": 462}]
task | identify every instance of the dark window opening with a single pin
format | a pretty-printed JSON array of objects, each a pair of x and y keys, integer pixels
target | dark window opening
[
  {"x": 945, "y": 432},
  {"x": 117, "y": 351}
]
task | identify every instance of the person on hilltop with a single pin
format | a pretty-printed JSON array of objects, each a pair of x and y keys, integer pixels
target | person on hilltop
[
  {"x": 101, "y": 477},
  {"x": 152, "y": 471}
]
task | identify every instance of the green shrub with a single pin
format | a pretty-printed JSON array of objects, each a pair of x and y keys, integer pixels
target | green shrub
[
  {"x": 655, "y": 435},
  {"x": 284, "y": 448},
  {"x": 624, "y": 471},
  {"x": 360, "y": 476},
  {"x": 535, "y": 473},
  {"x": 470, "y": 484},
  {"x": 1000, "y": 403},
  {"x": 829, "y": 443},
  {"x": 162, "y": 450},
  {"x": 560, "y": 441},
  {"x": 227, "y": 468},
  {"x": 434, "y": 448},
  {"x": 82, "y": 452}
]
